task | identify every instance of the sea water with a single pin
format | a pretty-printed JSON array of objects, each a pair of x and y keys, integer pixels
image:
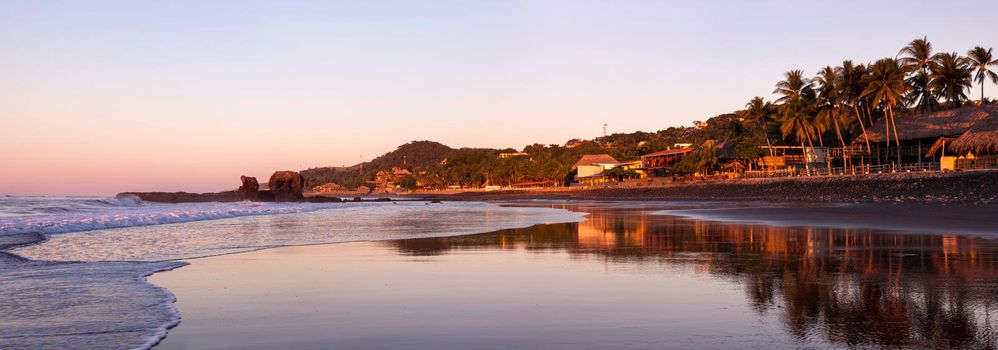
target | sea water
[{"x": 73, "y": 273}]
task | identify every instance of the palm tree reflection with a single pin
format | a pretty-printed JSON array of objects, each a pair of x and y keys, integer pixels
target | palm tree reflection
[{"x": 853, "y": 287}]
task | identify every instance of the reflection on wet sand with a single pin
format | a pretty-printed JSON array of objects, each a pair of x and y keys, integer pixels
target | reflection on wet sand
[{"x": 852, "y": 287}]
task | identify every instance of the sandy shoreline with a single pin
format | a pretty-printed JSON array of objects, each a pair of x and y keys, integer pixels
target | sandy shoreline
[
  {"x": 977, "y": 220},
  {"x": 689, "y": 283}
]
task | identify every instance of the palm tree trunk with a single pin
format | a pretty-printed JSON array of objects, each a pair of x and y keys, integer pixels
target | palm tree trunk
[
  {"x": 807, "y": 161},
  {"x": 841, "y": 140},
  {"x": 869, "y": 114},
  {"x": 897, "y": 140},
  {"x": 887, "y": 140},
  {"x": 765, "y": 132},
  {"x": 863, "y": 127},
  {"x": 807, "y": 165}
]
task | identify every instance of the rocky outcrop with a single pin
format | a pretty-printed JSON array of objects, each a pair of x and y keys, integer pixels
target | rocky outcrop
[
  {"x": 250, "y": 188},
  {"x": 187, "y": 197},
  {"x": 286, "y": 186}
]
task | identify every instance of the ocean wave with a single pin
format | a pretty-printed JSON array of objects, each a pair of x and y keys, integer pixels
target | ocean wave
[
  {"x": 125, "y": 212},
  {"x": 122, "y": 200}
]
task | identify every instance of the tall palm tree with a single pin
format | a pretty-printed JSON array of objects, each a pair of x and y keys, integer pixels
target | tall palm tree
[
  {"x": 828, "y": 104},
  {"x": 915, "y": 59},
  {"x": 826, "y": 85},
  {"x": 980, "y": 60},
  {"x": 886, "y": 87},
  {"x": 796, "y": 94},
  {"x": 851, "y": 86},
  {"x": 760, "y": 111},
  {"x": 950, "y": 77}
]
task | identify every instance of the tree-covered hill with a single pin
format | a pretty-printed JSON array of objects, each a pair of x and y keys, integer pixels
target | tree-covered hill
[{"x": 415, "y": 154}]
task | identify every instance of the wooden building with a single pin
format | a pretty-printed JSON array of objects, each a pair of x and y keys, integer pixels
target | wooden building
[{"x": 660, "y": 163}]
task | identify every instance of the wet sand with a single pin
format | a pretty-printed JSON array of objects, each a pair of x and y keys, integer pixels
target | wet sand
[
  {"x": 966, "y": 219},
  {"x": 625, "y": 278}
]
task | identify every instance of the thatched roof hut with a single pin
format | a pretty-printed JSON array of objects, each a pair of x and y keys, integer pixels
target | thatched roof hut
[
  {"x": 948, "y": 123},
  {"x": 981, "y": 138}
]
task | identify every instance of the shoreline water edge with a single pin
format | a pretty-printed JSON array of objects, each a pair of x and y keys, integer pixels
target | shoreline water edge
[
  {"x": 60, "y": 293},
  {"x": 23, "y": 249}
]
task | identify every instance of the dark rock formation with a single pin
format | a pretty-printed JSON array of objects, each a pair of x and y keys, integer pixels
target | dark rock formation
[
  {"x": 250, "y": 188},
  {"x": 286, "y": 186},
  {"x": 187, "y": 197}
]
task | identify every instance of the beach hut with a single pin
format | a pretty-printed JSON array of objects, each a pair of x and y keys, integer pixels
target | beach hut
[
  {"x": 927, "y": 137},
  {"x": 977, "y": 148}
]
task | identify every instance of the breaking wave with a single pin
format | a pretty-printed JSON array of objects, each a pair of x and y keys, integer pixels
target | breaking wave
[{"x": 77, "y": 215}]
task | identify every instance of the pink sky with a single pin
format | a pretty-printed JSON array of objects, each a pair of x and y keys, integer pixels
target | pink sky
[{"x": 100, "y": 98}]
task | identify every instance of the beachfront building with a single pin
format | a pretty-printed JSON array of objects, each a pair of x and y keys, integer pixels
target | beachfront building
[
  {"x": 929, "y": 138},
  {"x": 784, "y": 157},
  {"x": 387, "y": 181},
  {"x": 660, "y": 163},
  {"x": 590, "y": 168},
  {"x": 977, "y": 148}
]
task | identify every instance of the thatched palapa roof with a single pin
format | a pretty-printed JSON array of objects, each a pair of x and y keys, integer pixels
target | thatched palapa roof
[
  {"x": 981, "y": 138},
  {"x": 951, "y": 123}
]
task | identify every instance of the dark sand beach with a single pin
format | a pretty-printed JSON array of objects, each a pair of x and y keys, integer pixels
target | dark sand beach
[
  {"x": 970, "y": 187},
  {"x": 628, "y": 277}
]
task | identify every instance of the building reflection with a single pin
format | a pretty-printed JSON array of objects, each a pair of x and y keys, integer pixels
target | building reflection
[{"x": 852, "y": 287}]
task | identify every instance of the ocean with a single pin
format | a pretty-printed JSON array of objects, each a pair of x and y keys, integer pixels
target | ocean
[{"x": 73, "y": 269}]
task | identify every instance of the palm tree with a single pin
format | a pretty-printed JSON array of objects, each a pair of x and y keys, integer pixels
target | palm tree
[
  {"x": 916, "y": 56},
  {"x": 921, "y": 95},
  {"x": 851, "y": 88},
  {"x": 795, "y": 95},
  {"x": 826, "y": 84},
  {"x": 708, "y": 156},
  {"x": 760, "y": 111},
  {"x": 799, "y": 126},
  {"x": 828, "y": 104},
  {"x": 950, "y": 77},
  {"x": 886, "y": 87},
  {"x": 915, "y": 59},
  {"x": 980, "y": 59}
]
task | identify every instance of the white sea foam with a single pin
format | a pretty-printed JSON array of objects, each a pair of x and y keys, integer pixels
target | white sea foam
[
  {"x": 74, "y": 215},
  {"x": 343, "y": 222},
  {"x": 96, "y": 298}
]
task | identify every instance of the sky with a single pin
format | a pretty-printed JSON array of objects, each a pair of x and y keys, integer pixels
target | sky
[{"x": 100, "y": 97}]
